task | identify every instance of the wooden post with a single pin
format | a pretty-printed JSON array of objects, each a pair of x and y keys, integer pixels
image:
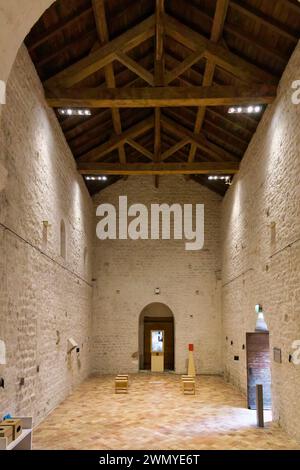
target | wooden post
[
  {"x": 191, "y": 363},
  {"x": 260, "y": 406}
]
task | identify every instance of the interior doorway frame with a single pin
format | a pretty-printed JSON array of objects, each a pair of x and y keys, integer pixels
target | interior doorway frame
[
  {"x": 149, "y": 311},
  {"x": 248, "y": 336}
]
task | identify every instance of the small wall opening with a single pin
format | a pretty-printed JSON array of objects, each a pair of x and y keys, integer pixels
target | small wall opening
[
  {"x": 85, "y": 261},
  {"x": 63, "y": 239},
  {"x": 156, "y": 316}
]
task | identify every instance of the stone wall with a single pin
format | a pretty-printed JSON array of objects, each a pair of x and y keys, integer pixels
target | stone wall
[
  {"x": 44, "y": 298},
  {"x": 16, "y": 20},
  {"x": 261, "y": 249},
  {"x": 127, "y": 272}
]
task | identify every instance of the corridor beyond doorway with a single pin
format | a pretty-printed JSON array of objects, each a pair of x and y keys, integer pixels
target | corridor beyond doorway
[
  {"x": 156, "y": 316},
  {"x": 258, "y": 368}
]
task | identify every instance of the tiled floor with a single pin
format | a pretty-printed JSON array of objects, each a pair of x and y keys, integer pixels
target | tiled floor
[{"x": 156, "y": 415}]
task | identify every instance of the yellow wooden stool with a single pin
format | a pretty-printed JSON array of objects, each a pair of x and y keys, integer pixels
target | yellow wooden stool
[
  {"x": 16, "y": 424},
  {"x": 121, "y": 384},
  {"x": 188, "y": 385}
]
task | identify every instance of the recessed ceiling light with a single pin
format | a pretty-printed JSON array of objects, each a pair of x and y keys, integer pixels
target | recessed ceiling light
[
  {"x": 75, "y": 112},
  {"x": 226, "y": 179},
  {"x": 249, "y": 109}
]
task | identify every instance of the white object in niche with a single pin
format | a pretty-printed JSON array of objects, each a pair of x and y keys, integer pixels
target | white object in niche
[
  {"x": 72, "y": 344},
  {"x": 2, "y": 352}
]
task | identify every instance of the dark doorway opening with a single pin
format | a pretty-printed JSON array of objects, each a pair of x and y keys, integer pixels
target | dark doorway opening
[
  {"x": 156, "y": 316},
  {"x": 258, "y": 368}
]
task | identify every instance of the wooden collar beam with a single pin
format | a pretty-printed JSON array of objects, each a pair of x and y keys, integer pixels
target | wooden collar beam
[
  {"x": 203, "y": 168},
  {"x": 161, "y": 96}
]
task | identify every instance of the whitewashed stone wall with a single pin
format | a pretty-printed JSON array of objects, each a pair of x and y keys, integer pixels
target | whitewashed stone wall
[
  {"x": 16, "y": 19},
  {"x": 127, "y": 272},
  {"x": 261, "y": 249},
  {"x": 44, "y": 299}
]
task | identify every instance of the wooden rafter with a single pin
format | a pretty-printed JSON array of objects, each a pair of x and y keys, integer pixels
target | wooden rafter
[
  {"x": 101, "y": 23},
  {"x": 250, "y": 40},
  {"x": 189, "y": 114},
  {"x": 265, "y": 20},
  {"x": 256, "y": 43},
  {"x": 135, "y": 67},
  {"x": 190, "y": 118},
  {"x": 157, "y": 134},
  {"x": 295, "y": 7},
  {"x": 219, "y": 20},
  {"x": 140, "y": 148},
  {"x": 117, "y": 140},
  {"x": 87, "y": 36},
  {"x": 216, "y": 33},
  {"x": 171, "y": 150},
  {"x": 158, "y": 76},
  {"x": 184, "y": 65},
  {"x": 67, "y": 24},
  {"x": 217, "y": 53},
  {"x": 159, "y": 43},
  {"x": 215, "y": 152},
  {"x": 104, "y": 56},
  {"x": 184, "y": 168},
  {"x": 161, "y": 96}
]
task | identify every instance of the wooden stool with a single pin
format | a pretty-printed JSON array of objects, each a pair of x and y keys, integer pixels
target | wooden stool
[
  {"x": 121, "y": 384},
  {"x": 16, "y": 425},
  {"x": 188, "y": 385},
  {"x": 186, "y": 377},
  {"x": 123, "y": 376}
]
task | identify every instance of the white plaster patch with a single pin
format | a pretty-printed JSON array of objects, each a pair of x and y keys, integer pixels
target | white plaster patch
[
  {"x": 2, "y": 352},
  {"x": 2, "y": 92}
]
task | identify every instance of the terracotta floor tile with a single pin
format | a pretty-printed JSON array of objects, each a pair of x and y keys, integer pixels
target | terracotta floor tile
[{"x": 156, "y": 415}]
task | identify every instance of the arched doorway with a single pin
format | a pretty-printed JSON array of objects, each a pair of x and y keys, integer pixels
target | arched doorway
[{"x": 156, "y": 316}]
